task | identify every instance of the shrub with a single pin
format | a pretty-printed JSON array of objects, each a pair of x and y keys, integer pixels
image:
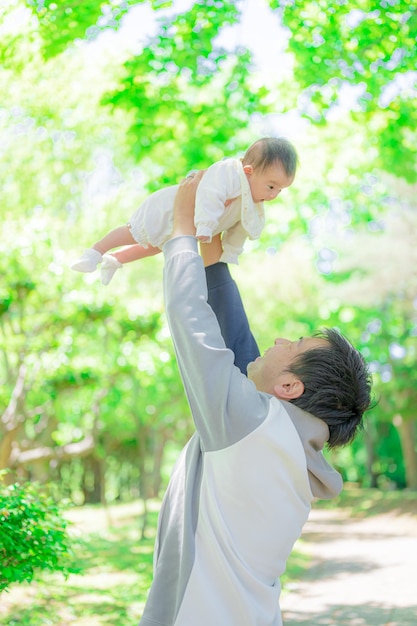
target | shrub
[{"x": 33, "y": 535}]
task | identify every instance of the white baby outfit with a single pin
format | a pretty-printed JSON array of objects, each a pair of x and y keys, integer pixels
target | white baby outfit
[{"x": 224, "y": 182}]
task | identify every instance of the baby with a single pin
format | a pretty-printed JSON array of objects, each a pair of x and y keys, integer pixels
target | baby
[{"x": 229, "y": 200}]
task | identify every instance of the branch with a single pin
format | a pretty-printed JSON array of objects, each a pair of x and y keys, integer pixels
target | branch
[{"x": 68, "y": 451}]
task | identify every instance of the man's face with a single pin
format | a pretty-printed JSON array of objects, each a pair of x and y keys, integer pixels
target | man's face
[
  {"x": 268, "y": 372},
  {"x": 266, "y": 184}
]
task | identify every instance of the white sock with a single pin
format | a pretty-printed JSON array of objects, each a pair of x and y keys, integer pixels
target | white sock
[
  {"x": 88, "y": 261},
  {"x": 109, "y": 267}
]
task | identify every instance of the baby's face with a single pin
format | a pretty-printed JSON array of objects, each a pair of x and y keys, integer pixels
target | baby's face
[{"x": 265, "y": 185}]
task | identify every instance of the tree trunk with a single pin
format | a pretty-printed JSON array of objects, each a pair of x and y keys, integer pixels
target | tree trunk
[
  {"x": 92, "y": 480},
  {"x": 369, "y": 436},
  {"x": 12, "y": 418},
  {"x": 6, "y": 448},
  {"x": 407, "y": 432},
  {"x": 157, "y": 464},
  {"x": 143, "y": 475}
]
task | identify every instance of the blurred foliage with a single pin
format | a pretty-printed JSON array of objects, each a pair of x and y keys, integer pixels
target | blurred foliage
[
  {"x": 184, "y": 85},
  {"x": 366, "y": 50},
  {"x": 62, "y": 21}
]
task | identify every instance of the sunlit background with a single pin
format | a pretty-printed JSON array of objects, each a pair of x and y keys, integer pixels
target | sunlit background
[{"x": 104, "y": 102}]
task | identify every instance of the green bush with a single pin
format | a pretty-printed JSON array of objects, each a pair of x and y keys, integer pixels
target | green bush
[{"x": 33, "y": 534}]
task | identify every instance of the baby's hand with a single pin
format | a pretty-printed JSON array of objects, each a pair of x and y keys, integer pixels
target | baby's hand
[{"x": 204, "y": 238}]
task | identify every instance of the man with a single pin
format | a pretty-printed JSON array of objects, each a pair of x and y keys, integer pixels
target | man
[{"x": 242, "y": 488}]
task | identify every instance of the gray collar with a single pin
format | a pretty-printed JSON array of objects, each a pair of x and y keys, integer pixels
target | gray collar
[{"x": 325, "y": 481}]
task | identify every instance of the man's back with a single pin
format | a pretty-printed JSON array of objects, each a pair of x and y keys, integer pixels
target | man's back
[{"x": 240, "y": 492}]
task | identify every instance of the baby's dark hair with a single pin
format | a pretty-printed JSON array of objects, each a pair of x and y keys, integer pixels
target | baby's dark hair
[
  {"x": 337, "y": 386},
  {"x": 270, "y": 150}
]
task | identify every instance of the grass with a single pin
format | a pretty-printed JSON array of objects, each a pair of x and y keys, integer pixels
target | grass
[
  {"x": 117, "y": 565},
  {"x": 369, "y": 502}
]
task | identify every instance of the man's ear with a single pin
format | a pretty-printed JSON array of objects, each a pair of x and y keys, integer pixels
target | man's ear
[
  {"x": 289, "y": 387},
  {"x": 248, "y": 169}
]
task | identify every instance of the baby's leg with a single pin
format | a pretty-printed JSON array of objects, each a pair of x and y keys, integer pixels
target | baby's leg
[
  {"x": 114, "y": 260},
  {"x": 127, "y": 254},
  {"x": 130, "y": 251},
  {"x": 91, "y": 257},
  {"x": 120, "y": 236}
]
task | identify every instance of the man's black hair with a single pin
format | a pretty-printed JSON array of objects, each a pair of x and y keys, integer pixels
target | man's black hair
[{"x": 337, "y": 386}]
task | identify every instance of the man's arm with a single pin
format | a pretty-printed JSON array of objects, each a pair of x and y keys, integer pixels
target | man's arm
[
  {"x": 224, "y": 404},
  {"x": 183, "y": 220},
  {"x": 224, "y": 298},
  {"x": 223, "y": 294}
]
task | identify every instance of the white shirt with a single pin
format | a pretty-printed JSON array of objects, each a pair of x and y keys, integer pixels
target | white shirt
[{"x": 224, "y": 204}]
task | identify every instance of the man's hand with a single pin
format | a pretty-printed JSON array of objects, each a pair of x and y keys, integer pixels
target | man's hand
[{"x": 184, "y": 205}]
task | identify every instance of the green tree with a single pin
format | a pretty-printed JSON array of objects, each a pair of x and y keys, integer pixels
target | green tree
[
  {"x": 365, "y": 50},
  {"x": 58, "y": 391},
  {"x": 375, "y": 302}
]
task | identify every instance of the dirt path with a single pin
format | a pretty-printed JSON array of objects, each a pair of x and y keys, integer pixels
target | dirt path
[{"x": 363, "y": 572}]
